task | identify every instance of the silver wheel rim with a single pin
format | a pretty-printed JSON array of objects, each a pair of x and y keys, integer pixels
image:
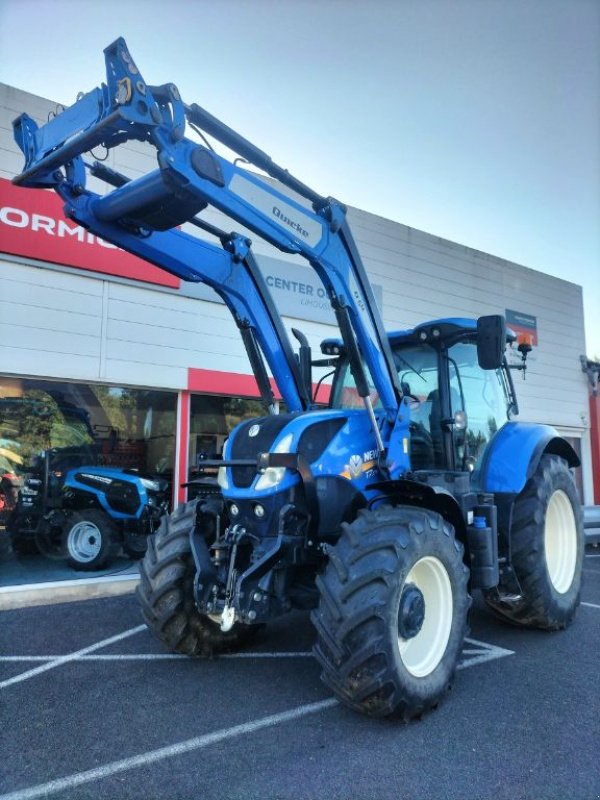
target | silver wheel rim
[
  {"x": 422, "y": 653},
  {"x": 560, "y": 541},
  {"x": 84, "y": 541}
]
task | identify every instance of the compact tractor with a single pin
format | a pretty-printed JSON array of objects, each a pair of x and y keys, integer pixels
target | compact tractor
[{"x": 381, "y": 513}]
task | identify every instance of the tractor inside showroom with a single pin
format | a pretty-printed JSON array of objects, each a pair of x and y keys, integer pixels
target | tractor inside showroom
[
  {"x": 381, "y": 513},
  {"x": 58, "y": 499}
]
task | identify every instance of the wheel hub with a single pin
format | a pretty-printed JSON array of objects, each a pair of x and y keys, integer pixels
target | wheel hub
[{"x": 411, "y": 613}]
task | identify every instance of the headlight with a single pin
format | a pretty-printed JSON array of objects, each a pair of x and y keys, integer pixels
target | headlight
[
  {"x": 147, "y": 483},
  {"x": 222, "y": 478},
  {"x": 274, "y": 475}
]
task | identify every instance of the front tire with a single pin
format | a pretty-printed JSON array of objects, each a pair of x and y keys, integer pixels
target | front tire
[
  {"x": 547, "y": 547},
  {"x": 166, "y": 592},
  {"x": 89, "y": 539},
  {"x": 393, "y": 612}
]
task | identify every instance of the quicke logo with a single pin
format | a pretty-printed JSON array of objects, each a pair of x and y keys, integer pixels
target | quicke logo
[{"x": 295, "y": 225}]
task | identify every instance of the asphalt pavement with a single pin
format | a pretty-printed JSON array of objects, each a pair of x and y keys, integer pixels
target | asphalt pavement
[{"x": 92, "y": 706}]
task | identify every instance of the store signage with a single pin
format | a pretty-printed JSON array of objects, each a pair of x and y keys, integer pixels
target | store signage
[
  {"x": 32, "y": 224},
  {"x": 525, "y": 326},
  {"x": 298, "y": 292},
  {"x": 523, "y": 323}
]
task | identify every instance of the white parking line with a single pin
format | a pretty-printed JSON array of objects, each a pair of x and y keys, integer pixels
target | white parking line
[
  {"x": 591, "y": 605},
  {"x": 154, "y": 657},
  {"x": 60, "y": 660},
  {"x": 483, "y": 652},
  {"x": 478, "y": 655},
  {"x": 197, "y": 743}
]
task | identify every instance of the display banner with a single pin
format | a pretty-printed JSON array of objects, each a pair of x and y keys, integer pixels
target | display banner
[
  {"x": 520, "y": 322},
  {"x": 32, "y": 224},
  {"x": 525, "y": 326}
]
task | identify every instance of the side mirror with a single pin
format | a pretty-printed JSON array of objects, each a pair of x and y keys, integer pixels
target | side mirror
[{"x": 491, "y": 341}]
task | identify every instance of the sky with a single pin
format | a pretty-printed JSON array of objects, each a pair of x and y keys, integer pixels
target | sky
[{"x": 474, "y": 120}]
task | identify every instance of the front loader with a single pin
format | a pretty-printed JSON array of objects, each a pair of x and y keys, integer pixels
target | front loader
[{"x": 381, "y": 513}]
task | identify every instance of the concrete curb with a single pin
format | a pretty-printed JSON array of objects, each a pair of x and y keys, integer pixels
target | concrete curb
[{"x": 42, "y": 594}]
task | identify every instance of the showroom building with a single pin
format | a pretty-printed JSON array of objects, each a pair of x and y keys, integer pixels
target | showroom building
[{"x": 153, "y": 370}]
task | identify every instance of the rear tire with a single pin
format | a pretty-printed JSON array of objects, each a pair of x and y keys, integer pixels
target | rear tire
[
  {"x": 166, "y": 592},
  {"x": 393, "y": 612},
  {"x": 89, "y": 539},
  {"x": 547, "y": 543}
]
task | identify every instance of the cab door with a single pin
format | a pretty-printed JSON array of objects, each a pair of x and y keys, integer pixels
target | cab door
[{"x": 481, "y": 394}]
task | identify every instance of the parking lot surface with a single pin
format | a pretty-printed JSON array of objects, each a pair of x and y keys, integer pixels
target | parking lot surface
[{"x": 92, "y": 706}]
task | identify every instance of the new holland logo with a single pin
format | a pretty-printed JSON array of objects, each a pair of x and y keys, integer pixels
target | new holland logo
[
  {"x": 254, "y": 431},
  {"x": 355, "y": 466}
]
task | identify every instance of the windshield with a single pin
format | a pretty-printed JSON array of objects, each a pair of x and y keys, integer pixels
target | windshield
[{"x": 417, "y": 373}]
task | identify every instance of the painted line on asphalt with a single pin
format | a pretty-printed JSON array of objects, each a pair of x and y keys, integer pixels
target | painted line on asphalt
[
  {"x": 479, "y": 654},
  {"x": 484, "y": 652},
  {"x": 60, "y": 660},
  {"x": 152, "y": 756},
  {"x": 154, "y": 657},
  {"x": 591, "y": 605},
  {"x": 592, "y": 555}
]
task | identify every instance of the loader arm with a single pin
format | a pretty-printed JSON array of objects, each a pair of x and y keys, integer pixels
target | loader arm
[
  {"x": 191, "y": 176},
  {"x": 231, "y": 270}
]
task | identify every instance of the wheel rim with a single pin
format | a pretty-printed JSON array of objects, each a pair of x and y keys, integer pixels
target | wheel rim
[
  {"x": 85, "y": 541},
  {"x": 422, "y": 653},
  {"x": 560, "y": 541}
]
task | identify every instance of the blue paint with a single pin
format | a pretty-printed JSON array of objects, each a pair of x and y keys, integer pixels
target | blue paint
[{"x": 511, "y": 456}]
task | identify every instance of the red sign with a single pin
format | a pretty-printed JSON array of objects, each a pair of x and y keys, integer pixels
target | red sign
[{"x": 32, "y": 224}]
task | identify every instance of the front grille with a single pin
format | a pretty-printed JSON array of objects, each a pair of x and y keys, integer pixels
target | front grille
[{"x": 123, "y": 496}]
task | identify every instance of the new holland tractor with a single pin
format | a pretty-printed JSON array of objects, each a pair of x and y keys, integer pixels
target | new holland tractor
[{"x": 381, "y": 513}]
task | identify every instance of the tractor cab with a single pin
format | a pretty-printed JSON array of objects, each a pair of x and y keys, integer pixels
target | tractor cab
[{"x": 456, "y": 405}]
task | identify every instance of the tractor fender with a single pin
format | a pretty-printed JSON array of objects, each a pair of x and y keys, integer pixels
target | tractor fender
[{"x": 514, "y": 454}]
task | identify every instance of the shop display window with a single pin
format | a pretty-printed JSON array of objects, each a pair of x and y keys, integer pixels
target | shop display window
[
  {"x": 51, "y": 431},
  {"x": 211, "y": 420}
]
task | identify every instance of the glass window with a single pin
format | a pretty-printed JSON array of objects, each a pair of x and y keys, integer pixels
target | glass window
[
  {"x": 482, "y": 394},
  {"x": 211, "y": 420},
  {"x": 344, "y": 392},
  {"x": 70, "y": 425}
]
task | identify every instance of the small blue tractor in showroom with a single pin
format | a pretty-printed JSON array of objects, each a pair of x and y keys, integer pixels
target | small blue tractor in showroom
[
  {"x": 381, "y": 513},
  {"x": 87, "y": 514},
  {"x": 58, "y": 498}
]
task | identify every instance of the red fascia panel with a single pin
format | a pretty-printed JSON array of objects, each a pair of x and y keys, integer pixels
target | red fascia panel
[
  {"x": 236, "y": 384},
  {"x": 32, "y": 224},
  {"x": 181, "y": 469},
  {"x": 595, "y": 441}
]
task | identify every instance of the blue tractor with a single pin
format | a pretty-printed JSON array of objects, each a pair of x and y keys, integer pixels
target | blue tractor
[
  {"x": 62, "y": 502},
  {"x": 381, "y": 513}
]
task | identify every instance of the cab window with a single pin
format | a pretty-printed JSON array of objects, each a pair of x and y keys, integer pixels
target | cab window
[{"x": 482, "y": 394}]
